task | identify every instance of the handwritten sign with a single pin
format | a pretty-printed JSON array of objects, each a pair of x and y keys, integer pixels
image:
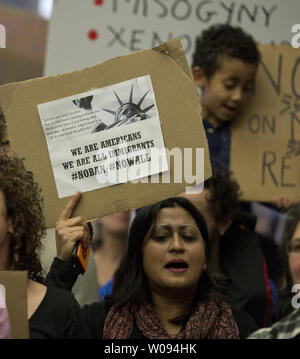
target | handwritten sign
[
  {"x": 102, "y": 29},
  {"x": 265, "y": 147}
]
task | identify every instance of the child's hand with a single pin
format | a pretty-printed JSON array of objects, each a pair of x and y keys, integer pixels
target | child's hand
[
  {"x": 284, "y": 203},
  {"x": 70, "y": 230}
]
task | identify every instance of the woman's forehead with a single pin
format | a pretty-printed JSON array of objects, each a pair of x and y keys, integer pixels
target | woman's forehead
[{"x": 174, "y": 216}]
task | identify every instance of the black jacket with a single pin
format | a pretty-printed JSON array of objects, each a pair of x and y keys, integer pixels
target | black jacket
[{"x": 243, "y": 263}]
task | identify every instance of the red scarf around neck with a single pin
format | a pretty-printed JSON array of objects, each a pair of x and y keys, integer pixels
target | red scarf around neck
[{"x": 212, "y": 319}]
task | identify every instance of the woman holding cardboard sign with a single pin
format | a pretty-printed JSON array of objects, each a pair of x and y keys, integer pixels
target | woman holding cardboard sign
[
  {"x": 52, "y": 312},
  {"x": 162, "y": 288}
]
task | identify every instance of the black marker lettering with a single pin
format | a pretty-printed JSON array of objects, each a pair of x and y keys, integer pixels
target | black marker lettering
[
  {"x": 208, "y": 14},
  {"x": 137, "y": 5},
  {"x": 164, "y": 9},
  {"x": 269, "y": 124},
  {"x": 277, "y": 85},
  {"x": 283, "y": 170},
  {"x": 269, "y": 158},
  {"x": 117, "y": 36},
  {"x": 254, "y": 124},
  {"x": 262, "y": 124},
  {"x": 186, "y": 13},
  {"x": 268, "y": 13},
  {"x": 229, "y": 9},
  {"x": 293, "y": 117},
  {"x": 115, "y": 5},
  {"x": 294, "y": 77},
  {"x": 244, "y": 8},
  {"x": 135, "y": 40}
]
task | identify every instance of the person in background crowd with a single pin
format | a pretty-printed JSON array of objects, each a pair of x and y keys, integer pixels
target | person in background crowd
[
  {"x": 48, "y": 250},
  {"x": 163, "y": 287},
  {"x": 224, "y": 66},
  {"x": 288, "y": 311},
  {"x": 236, "y": 258},
  {"x": 109, "y": 247},
  {"x": 290, "y": 249},
  {"x": 102, "y": 265},
  {"x": 52, "y": 312}
]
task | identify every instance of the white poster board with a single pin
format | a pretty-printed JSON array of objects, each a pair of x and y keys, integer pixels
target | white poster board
[{"x": 84, "y": 33}]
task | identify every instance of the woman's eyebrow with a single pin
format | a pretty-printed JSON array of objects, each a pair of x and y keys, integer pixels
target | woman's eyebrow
[
  {"x": 186, "y": 226},
  {"x": 161, "y": 226}
]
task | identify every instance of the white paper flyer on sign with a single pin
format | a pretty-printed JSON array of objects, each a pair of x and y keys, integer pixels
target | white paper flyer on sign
[{"x": 104, "y": 136}]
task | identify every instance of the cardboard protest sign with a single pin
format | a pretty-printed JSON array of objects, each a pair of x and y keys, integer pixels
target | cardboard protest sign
[
  {"x": 116, "y": 121},
  {"x": 70, "y": 123},
  {"x": 265, "y": 146},
  {"x": 13, "y": 292},
  {"x": 102, "y": 29}
]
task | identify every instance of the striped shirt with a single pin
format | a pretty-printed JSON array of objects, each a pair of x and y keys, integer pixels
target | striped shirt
[{"x": 287, "y": 328}]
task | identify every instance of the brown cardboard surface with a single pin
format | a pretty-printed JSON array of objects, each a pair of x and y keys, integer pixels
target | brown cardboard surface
[
  {"x": 265, "y": 144},
  {"x": 26, "y": 34},
  {"x": 14, "y": 67},
  {"x": 179, "y": 111},
  {"x": 15, "y": 283}
]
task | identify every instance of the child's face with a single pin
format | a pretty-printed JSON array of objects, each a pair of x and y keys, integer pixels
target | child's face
[{"x": 225, "y": 92}]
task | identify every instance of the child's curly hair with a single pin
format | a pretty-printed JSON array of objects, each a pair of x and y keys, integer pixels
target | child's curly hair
[
  {"x": 223, "y": 40},
  {"x": 25, "y": 209}
]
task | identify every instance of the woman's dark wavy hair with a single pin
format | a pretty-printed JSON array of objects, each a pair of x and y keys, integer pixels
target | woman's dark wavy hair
[
  {"x": 223, "y": 40},
  {"x": 24, "y": 208},
  {"x": 130, "y": 282}
]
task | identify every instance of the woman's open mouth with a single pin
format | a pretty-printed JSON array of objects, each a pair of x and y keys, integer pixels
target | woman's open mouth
[{"x": 177, "y": 266}]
